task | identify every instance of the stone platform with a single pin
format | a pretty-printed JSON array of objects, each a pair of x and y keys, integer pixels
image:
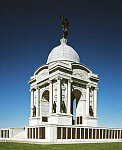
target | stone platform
[{"x": 61, "y": 134}]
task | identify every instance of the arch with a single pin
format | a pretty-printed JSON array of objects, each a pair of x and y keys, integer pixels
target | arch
[
  {"x": 75, "y": 97},
  {"x": 81, "y": 90},
  {"x": 45, "y": 103}
]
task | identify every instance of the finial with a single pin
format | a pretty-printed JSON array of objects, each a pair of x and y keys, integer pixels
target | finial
[
  {"x": 65, "y": 26},
  {"x": 63, "y": 40}
]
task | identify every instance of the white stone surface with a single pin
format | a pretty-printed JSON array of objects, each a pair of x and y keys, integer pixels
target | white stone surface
[
  {"x": 63, "y": 76},
  {"x": 63, "y": 52}
]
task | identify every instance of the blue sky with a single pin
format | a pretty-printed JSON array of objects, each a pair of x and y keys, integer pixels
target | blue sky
[{"x": 30, "y": 29}]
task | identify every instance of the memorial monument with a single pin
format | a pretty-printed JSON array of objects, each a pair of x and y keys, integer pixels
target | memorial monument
[{"x": 54, "y": 87}]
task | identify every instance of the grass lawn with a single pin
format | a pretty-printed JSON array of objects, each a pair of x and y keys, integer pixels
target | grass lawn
[{"x": 86, "y": 146}]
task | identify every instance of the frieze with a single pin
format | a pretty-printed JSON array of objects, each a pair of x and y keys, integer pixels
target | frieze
[{"x": 80, "y": 73}]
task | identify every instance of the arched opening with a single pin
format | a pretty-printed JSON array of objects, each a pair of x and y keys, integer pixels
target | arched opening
[
  {"x": 76, "y": 95},
  {"x": 45, "y": 105}
]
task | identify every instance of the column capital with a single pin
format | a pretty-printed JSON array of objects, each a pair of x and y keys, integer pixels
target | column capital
[
  {"x": 37, "y": 88},
  {"x": 59, "y": 78},
  {"x": 50, "y": 81},
  {"x": 70, "y": 81},
  {"x": 88, "y": 86},
  {"x": 96, "y": 88}
]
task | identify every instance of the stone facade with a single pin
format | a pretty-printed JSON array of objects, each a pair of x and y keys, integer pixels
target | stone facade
[
  {"x": 54, "y": 87},
  {"x": 58, "y": 83}
]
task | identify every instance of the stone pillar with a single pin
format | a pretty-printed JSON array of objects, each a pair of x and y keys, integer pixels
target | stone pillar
[
  {"x": 95, "y": 102},
  {"x": 3, "y": 133},
  {"x": 87, "y": 101},
  {"x": 91, "y": 98},
  {"x": 58, "y": 110},
  {"x": 37, "y": 101},
  {"x": 32, "y": 103},
  {"x": 51, "y": 97},
  {"x": 69, "y": 98}
]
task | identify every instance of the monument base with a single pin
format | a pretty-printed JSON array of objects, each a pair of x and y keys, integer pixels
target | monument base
[
  {"x": 60, "y": 119},
  {"x": 35, "y": 121},
  {"x": 90, "y": 121}
]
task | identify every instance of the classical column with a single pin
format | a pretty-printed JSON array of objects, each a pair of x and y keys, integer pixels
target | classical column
[
  {"x": 51, "y": 97},
  {"x": 95, "y": 102},
  {"x": 87, "y": 101},
  {"x": 69, "y": 97},
  {"x": 32, "y": 103},
  {"x": 58, "y": 110},
  {"x": 37, "y": 102},
  {"x": 3, "y": 133}
]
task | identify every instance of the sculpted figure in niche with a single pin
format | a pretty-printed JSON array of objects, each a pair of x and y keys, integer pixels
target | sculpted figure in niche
[
  {"x": 34, "y": 111},
  {"x": 63, "y": 107},
  {"x": 90, "y": 111},
  {"x": 54, "y": 107}
]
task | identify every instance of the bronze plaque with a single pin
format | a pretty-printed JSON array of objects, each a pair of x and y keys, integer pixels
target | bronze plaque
[
  {"x": 90, "y": 133},
  {"x": 77, "y": 120},
  {"x": 82, "y": 133},
  {"x": 93, "y": 133},
  {"x": 97, "y": 130},
  {"x": 86, "y": 133},
  {"x": 73, "y": 133},
  {"x": 33, "y": 133},
  {"x": 78, "y": 133},
  {"x": 69, "y": 133},
  {"x": 81, "y": 120},
  {"x": 36, "y": 133},
  {"x": 59, "y": 133},
  {"x": 64, "y": 133}
]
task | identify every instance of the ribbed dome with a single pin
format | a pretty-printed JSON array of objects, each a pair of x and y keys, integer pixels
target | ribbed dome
[{"x": 63, "y": 52}]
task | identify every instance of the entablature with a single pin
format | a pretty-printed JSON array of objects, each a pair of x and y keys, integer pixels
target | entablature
[
  {"x": 41, "y": 68},
  {"x": 60, "y": 65},
  {"x": 81, "y": 66}
]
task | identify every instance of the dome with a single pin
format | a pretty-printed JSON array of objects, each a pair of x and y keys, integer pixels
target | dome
[{"x": 63, "y": 52}]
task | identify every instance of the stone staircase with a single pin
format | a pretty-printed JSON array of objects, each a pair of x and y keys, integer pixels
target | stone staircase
[{"x": 20, "y": 136}]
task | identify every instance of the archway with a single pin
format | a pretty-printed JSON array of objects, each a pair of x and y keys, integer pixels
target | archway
[
  {"x": 75, "y": 97},
  {"x": 45, "y": 104}
]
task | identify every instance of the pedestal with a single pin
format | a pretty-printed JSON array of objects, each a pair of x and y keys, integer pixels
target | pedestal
[{"x": 60, "y": 119}]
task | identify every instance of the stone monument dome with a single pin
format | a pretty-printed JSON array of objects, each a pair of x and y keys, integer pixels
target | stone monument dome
[{"x": 63, "y": 52}]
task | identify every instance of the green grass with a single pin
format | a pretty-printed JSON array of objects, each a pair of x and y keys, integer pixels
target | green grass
[{"x": 86, "y": 146}]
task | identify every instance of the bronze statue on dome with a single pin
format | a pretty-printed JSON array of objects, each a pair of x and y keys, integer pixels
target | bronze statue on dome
[{"x": 65, "y": 26}]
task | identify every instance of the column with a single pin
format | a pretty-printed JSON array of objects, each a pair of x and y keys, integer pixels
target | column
[
  {"x": 92, "y": 133},
  {"x": 32, "y": 133},
  {"x": 92, "y": 99},
  {"x": 84, "y": 133},
  {"x": 95, "y": 102},
  {"x": 37, "y": 102},
  {"x": 87, "y": 101},
  {"x": 69, "y": 98},
  {"x": 117, "y": 135},
  {"x": 99, "y": 133},
  {"x": 51, "y": 97},
  {"x": 3, "y": 133},
  {"x": 80, "y": 133},
  {"x": 6, "y": 133},
  {"x": 58, "y": 110},
  {"x": 88, "y": 133},
  {"x": 32, "y": 103}
]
